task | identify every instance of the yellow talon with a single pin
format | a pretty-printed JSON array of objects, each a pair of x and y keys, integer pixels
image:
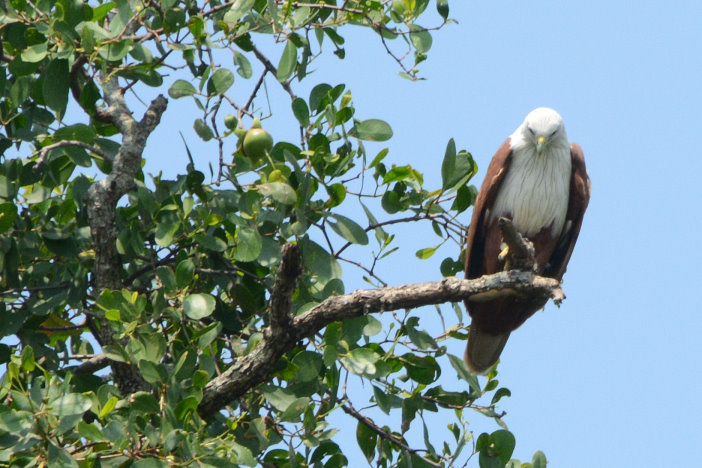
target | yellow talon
[{"x": 504, "y": 257}]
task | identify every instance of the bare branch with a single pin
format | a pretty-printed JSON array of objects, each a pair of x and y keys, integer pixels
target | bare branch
[
  {"x": 95, "y": 363},
  {"x": 274, "y": 71},
  {"x": 43, "y": 152},
  {"x": 351, "y": 411},
  {"x": 254, "y": 368}
]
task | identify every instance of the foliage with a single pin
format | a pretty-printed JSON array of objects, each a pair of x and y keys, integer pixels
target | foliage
[{"x": 197, "y": 260}]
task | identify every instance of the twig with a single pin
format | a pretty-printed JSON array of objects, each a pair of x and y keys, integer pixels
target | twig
[
  {"x": 59, "y": 144},
  {"x": 271, "y": 68},
  {"x": 350, "y": 410}
]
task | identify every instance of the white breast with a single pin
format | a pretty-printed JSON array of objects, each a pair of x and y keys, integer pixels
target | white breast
[{"x": 536, "y": 189}]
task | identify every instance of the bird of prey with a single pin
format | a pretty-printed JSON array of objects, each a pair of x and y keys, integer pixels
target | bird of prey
[{"x": 538, "y": 180}]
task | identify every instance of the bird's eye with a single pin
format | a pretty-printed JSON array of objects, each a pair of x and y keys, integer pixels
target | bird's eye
[
  {"x": 531, "y": 130},
  {"x": 554, "y": 132}
]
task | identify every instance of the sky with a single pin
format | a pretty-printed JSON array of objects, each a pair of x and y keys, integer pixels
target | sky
[{"x": 611, "y": 378}]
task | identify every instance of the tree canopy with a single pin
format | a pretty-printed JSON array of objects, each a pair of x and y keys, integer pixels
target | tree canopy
[{"x": 204, "y": 320}]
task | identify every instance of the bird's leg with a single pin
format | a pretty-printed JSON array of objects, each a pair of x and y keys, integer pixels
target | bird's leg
[{"x": 517, "y": 251}]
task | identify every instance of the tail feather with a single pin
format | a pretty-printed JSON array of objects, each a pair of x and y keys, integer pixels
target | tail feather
[{"x": 483, "y": 350}]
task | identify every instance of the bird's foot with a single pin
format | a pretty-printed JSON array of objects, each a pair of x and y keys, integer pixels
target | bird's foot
[{"x": 504, "y": 257}]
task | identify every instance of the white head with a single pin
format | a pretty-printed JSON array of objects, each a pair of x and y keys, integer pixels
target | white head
[{"x": 542, "y": 129}]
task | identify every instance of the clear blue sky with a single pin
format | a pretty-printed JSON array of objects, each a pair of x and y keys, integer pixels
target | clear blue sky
[{"x": 611, "y": 378}]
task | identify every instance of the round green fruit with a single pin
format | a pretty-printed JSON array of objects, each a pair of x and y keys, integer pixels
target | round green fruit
[
  {"x": 257, "y": 143},
  {"x": 230, "y": 121},
  {"x": 277, "y": 175}
]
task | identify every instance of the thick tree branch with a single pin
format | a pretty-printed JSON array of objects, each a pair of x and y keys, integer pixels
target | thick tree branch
[
  {"x": 101, "y": 201},
  {"x": 285, "y": 284},
  {"x": 254, "y": 368}
]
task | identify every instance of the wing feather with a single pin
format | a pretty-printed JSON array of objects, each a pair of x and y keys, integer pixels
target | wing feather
[
  {"x": 475, "y": 241},
  {"x": 580, "y": 189}
]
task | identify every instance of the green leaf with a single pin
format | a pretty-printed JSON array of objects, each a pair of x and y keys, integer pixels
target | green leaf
[
  {"x": 301, "y": 111},
  {"x": 198, "y": 306},
  {"x": 319, "y": 262},
  {"x": 151, "y": 463},
  {"x": 456, "y": 169},
  {"x": 185, "y": 272},
  {"x": 115, "y": 51},
  {"x": 165, "y": 231},
  {"x": 288, "y": 61},
  {"x": 371, "y": 130},
  {"x": 465, "y": 198},
  {"x": 318, "y": 95},
  {"x": 397, "y": 174},
  {"x": 309, "y": 365},
  {"x": 279, "y": 191},
  {"x": 203, "y": 130},
  {"x": 79, "y": 132},
  {"x": 337, "y": 194},
  {"x": 238, "y": 10},
  {"x": 424, "y": 370},
  {"x": 248, "y": 245},
  {"x": 426, "y": 252},
  {"x": 501, "y": 392},
  {"x": 59, "y": 458},
  {"x": 55, "y": 85},
  {"x": 366, "y": 439},
  {"x": 463, "y": 373},
  {"x": 420, "y": 338},
  {"x": 27, "y": 362},
  {"x": 386, "y": 401},
  {"x": 373, "y": 327},
  {"x": 71, "y": 404},
  {"x": 220, "y": 81},
  {"x": 243, "y": 66},
  {"x": 167, "y": 277},
  {"x": 90, "y": 432},
  {"x": 420, "y": 38},
  {"x": 361, "y": 361},
  {"x": 500, "y": 446},
  {"x": 442, "y": 7},
  {"x": 34, "y": 53},
  {"x": 8, "y": 215},
  {"x": 448, "y": 165},
  {"x": 181, "y": 88},
  {"x": 349, "y": 230},
  {"x": 539, "y": 460},
  {"x": 295, "y": 409},
  {"x": 152, "y": 372}
]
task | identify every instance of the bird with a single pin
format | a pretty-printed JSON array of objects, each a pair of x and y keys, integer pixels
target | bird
[{"x": 539, "y": 181}]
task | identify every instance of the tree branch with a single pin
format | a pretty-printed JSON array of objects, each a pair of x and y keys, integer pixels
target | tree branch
[
  {"x": 101, "y": 201},
  {"x": 285, "y": 284},
  {"x": 254, "y": 368}
]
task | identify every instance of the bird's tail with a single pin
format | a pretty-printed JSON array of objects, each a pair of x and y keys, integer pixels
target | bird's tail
[{"x": 483, "y": 350}]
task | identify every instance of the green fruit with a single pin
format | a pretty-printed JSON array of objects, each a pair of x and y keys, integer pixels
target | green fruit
[
  {"x": 257, "y": 143},
  {"x": 277, "y": 175},
  {"x": 230, "y": 121}
]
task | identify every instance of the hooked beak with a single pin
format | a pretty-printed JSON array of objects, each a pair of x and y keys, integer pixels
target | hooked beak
[{"x": 540, "y": 144}]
